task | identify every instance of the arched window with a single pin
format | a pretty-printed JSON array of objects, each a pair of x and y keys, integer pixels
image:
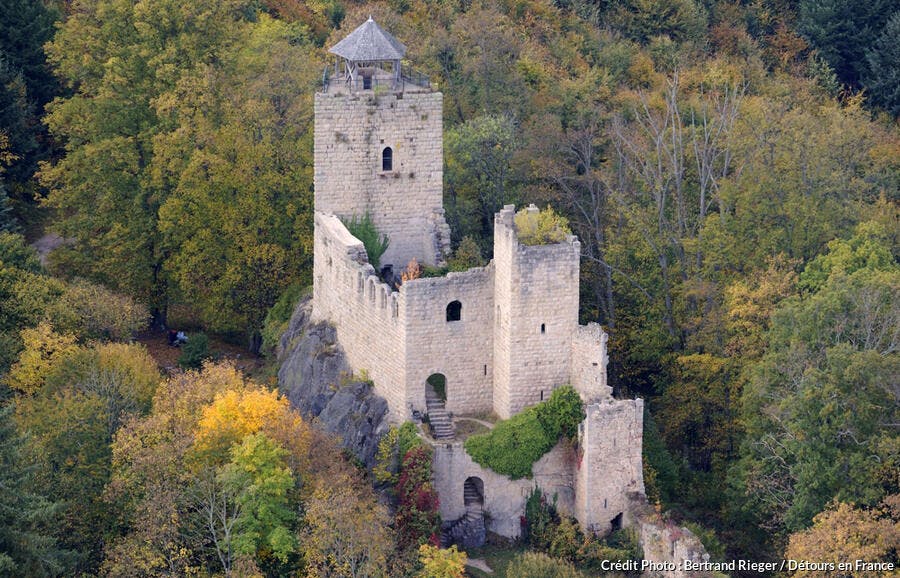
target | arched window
[
  {"x": 387, "y": 159},
  {"x": 454, "y": 311}
]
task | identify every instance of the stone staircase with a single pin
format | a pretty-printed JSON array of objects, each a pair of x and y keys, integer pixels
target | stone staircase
[
  {"x": 468, "y": 531},
  {"x": 441, "y": 424}
]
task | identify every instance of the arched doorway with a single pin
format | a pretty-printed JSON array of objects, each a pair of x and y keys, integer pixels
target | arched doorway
[
  {"x": 438, "y": 383},
  {"x": 473, "y": 495},
  {"x": 436, "y": 409}
]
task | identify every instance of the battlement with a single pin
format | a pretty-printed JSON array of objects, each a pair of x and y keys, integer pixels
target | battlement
[{"x": 502, "y": 336}]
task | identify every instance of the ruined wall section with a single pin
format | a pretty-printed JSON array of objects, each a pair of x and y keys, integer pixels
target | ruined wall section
[
  {"x": 351, "y": 131},
  {"x": 589, "y": 362},
  {"x": 536, "y": 301},
  {"x": 610, "y": 474},
  {"x": 504, "y": 498},
  {"x": 460, "y": 350},
  {"x": 366, "y": 314}
]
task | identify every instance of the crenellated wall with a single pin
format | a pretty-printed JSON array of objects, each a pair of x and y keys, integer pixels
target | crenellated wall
[{"x": 366, "y": 313}]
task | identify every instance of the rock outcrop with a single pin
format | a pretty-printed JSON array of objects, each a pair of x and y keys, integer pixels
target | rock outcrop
[{"x": 315, "y": 377}]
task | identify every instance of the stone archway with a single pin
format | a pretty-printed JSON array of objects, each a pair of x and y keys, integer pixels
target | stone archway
[
  {"x": 468, "y": 531},
  {"x": 435, "y": 406},
  {"x": 473, "y": 495},
  {"x": 438, "y": 384}
]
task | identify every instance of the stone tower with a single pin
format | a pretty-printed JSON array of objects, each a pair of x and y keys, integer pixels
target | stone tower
[
  {"x": 378, "y": 146},
  {"x": 536, "y": 312}
]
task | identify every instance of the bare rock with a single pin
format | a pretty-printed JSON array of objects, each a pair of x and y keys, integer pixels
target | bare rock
[{"x": 317, "y": 380}]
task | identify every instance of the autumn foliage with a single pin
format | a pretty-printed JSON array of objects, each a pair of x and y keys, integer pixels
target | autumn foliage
[{"x": 418, "y": 517}]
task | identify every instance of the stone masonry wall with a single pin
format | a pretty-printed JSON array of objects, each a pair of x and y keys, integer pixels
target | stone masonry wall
[
  {"x": 504, "y": 499},
  {"x": 589, "y": 361},
  {"x": 351, "y": 131},
  {"x": 536, "y": 297},
  {"x": 611, "y": 470},
  {"x": 366, "y": 314},
  {"x": 460, "y": 350}
]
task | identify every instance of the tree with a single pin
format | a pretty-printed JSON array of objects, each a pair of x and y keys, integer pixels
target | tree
[
  {"x": 346, "y": 530},
  {"x": 18, "y": 143},
  {"x": 126, "y": 63},
  {"x": 843, "y": 532},
  {"x": 479, "y": 174},
  {"x": 237, "y": 220},
  {"x": 819, "y": 404},
  {"x": 74, "y": 400},
  {"x": 842, "y": 31},
  {"x": 644, "y": 19},
  {"x": 156, "y": 482},
  {"x": 27, "y": 547},
  {"x": 45, "y": 350},
  {"x": 25, "y": 26},
  {"x": 883, "y": 76},
  {"x": 258, "y": 477},
  {"x": 441, "y": 563}
]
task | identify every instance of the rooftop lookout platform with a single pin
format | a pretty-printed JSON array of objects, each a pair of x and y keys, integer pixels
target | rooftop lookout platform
[{"x": 370, "y": 59}]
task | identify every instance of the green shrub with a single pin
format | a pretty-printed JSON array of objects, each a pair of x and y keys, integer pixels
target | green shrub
[
  {"x": 512, "y": 447},
  {"x": 541, "y": 227},
  {"x": 195, "y": 351},
  {"x": 363, "y": 228},
  {"x": 15, "y": 252},
  {"x": 395, "y": 444},
  {"x": 562, "y": 412},
  {"x": 537, "y": 565},
  {"x": 541, "y": 520},
  {"x": 467, "y": 256},
  {"x": 710, "y": 541},
  {"x": 279, "y": 315},
  {"x": 429, "y": 271}
]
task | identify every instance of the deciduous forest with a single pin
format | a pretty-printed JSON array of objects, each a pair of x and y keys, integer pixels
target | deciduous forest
[{"x": 731, "y": 168}]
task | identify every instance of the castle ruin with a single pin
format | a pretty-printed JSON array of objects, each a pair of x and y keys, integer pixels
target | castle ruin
[{"x": 500, "y": 337}]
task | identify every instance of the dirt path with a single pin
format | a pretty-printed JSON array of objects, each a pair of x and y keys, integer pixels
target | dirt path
[
  {"x": 47, "y": 243},
  {"x": 479, "y": 564},
  {"x": 157, "y": 344}
]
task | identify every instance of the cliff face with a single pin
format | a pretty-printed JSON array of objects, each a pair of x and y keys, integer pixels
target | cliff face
[{"x": 315, "y": 377}]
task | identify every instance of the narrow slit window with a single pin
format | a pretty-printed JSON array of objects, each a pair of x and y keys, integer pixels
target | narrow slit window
[
  {"x": 387, "y": 159},
  {"x": 543, "y": 328}
]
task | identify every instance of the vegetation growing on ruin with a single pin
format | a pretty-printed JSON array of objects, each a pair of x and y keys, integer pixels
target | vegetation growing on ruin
[
  {"x": 364, "y": 229},
  {"x": 513, "y": 445},
  {"x": 542, "y": 227},
  {"x": 559, "y": 538},
  {"x": 715, "y": 159}
]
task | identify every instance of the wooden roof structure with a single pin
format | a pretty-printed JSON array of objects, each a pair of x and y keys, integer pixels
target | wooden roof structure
[{"x": 369, "y": 43}]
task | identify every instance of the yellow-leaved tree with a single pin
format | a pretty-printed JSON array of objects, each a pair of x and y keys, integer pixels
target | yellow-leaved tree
[{"x": 44, "y": 349}]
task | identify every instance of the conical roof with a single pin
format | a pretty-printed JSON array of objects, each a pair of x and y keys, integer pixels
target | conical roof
[{"x": 369, "y": 43}]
